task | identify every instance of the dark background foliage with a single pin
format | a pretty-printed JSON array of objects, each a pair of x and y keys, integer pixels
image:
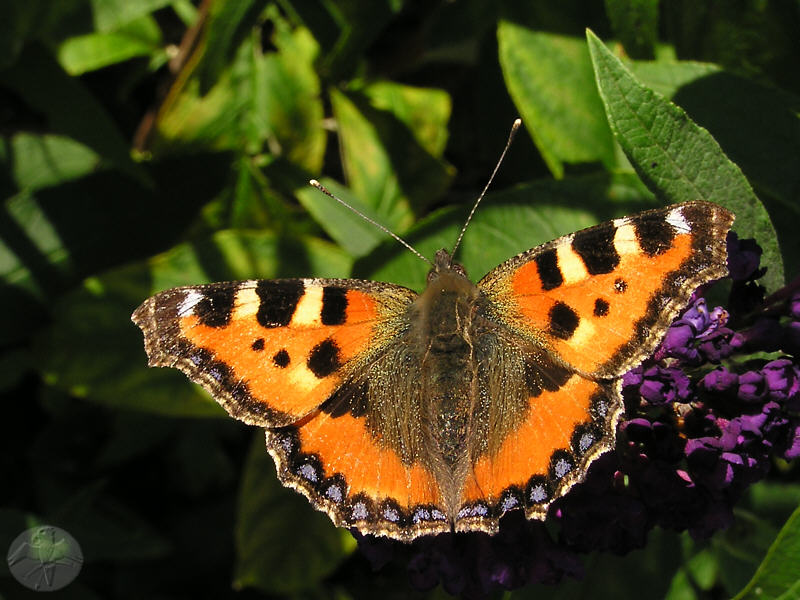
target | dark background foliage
[{"x": 154, "y": 143}]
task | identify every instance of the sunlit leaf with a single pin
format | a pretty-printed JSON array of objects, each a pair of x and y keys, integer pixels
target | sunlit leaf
[
  {"x": 549, "y": 78},
  {"x": 677, "y": 159},
  {"x": 97, "y": 50}
]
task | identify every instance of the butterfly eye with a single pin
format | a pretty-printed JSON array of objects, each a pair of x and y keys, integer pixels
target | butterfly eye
[{"x": 459, "y": 269}]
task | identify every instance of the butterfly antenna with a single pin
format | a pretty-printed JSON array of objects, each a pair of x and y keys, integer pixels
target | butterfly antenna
[
  {"x": 511, "y": 135},
  {"x": 325, "y": 191}
]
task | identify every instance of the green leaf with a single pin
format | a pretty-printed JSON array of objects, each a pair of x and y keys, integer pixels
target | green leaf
[
  {"x": 110, "y": 15},
  {"x": 97, "y": 50},
  {"x": 53, "y": 238},
  {"x": 774, "y": 501},
  {"x": 228, "y": 25},
  {"x": 549, "y": 77},
  {"x": 742, "y": 547},
  {"x": 271, "y": 515},
  {"x": 19, "y": 21},
  {"x": 635, "y": 22},
  {"x": 385, "y": 165},
  {"x": 38, "y": 161},
  {"x": 675, "y": 158},
  {"x": 668, "y": 77},
  {"x": 778, "y": 577},
  {"x": 346, "y": 228},
  {"x": 424, "y": 111},
  {"x": 344, "y": 30},
  {"x": 286, "y": 104},
  {"x": 189, "y": 120},
  {"x": 76, "y": 107},
  {"x": 260, "y": 102},
  {"x": 755, "y": 124},
  {"x": 93, "y": 350}
]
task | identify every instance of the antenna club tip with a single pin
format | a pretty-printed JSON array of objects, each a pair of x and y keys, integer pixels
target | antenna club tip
[
  {"x": 314, "y": 183},
  {"x": 517, "y": 122}
]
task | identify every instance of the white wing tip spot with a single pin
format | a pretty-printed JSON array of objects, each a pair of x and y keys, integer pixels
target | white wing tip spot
[
  {"x": 678, "y": 221},
  {"x": 190, "y": 300}
]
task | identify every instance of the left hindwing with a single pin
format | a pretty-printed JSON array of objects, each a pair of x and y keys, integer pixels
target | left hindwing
[
  {"x": 601, "y": 298},
  {"x": 270, "y": 351}
]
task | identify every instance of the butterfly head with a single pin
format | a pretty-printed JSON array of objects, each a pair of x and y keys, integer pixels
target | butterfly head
[{"x": 443, "y": 266}]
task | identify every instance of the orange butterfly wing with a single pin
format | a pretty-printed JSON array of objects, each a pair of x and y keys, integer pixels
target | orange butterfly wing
[
  {"x": 279, "y": 354},
  {"x": 598, "y": 302},
  {"x": 602, "y": 298}
]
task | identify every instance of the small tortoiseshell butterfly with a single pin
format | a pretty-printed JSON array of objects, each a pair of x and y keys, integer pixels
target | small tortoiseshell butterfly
[{"x": 404, "y": 414}]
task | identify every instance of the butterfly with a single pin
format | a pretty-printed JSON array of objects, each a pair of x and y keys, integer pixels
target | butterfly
[{"x": 404, "y": 414}]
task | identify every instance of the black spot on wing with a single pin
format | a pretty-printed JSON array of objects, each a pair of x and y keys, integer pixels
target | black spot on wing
[
  {"x": 542, "y": 373},
  {"x": 653, "y": 234},
  {"x": 596, "y": 248},
  {"x": 350, "y": 398},
  {"x": 334, "y": 305},
  {"x": 216, "y": 306},
  {"x": 324, "y": 358},
  {"x": 600, "y": 307},
  {"x": 278, "y": 301},
  {"x": 549, "y": 272},
  {"x": 257, "y": 345},
  {"x": 281, "y": 359},
  {"x": 620, "y": 285},
  {"x": 563, "y": 321}
]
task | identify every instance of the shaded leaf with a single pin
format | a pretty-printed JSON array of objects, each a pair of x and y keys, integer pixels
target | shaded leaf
[
  {"x": 643, "y": 573},
  {"x": 677, "y": 159},
  {"x": 549, "y": 78},
  {"x": 778, "y": 576},
  {"x": 635, "y": 22},
  {"x": 740, "y": 549},
  {"x": 344, "y": 30},
  {"x": 75, "y": 109},
  {"x": 269, "y": 516},
  {"x": 19, "y": 20},
  {"x": 106, "y": 528},
  {"x": 55, "y": 237}
]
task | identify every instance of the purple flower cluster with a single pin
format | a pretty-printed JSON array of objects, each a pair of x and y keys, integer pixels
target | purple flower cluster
[{"x": 704, "y": 418}]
